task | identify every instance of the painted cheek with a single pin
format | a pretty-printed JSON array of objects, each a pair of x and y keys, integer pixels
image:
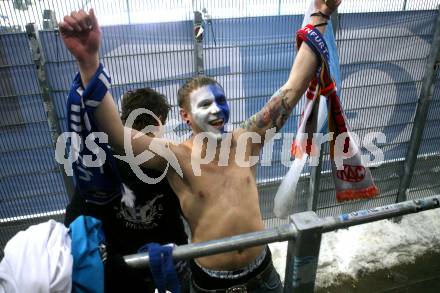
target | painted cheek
[
  {"x": 201, "y": 117},
  {"x": 220, "y": 100},
  {"x": 225, "y": 111}
]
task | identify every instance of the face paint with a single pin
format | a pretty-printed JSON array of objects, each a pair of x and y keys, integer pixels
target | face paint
[{"x": 209, "y": 109}]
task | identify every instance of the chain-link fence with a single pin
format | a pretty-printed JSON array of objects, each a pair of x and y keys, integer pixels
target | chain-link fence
[{"x": 248, "y": 47}]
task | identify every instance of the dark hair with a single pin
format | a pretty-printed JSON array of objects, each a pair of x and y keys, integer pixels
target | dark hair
[
  {"x": 146, "y": 98},
  {"x": 191, "y": 85}
]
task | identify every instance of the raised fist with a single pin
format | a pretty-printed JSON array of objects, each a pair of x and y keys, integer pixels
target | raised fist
[
  {"x": 81, "y": 35},
  {"x": 327, "y": 6}
]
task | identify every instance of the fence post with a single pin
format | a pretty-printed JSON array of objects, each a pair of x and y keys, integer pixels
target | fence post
[
  {"x": 315, "y": 173},
  {"x": 302, "y": 253},
  {"x": 52, "y": 117},
  {"x": 421, "y": 114},
  {"x": 404, "y": 5},
  {"x": 198, "y": 45}
]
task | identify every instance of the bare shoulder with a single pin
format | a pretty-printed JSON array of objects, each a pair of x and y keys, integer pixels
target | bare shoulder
[
  {"x": 238, "y": 132},
  {"x": 182, "y": 150},
  {"x": 251, "y": 139}
]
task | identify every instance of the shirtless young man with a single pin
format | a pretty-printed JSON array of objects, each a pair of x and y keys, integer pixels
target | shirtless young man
[{"x": 219, "y": 199}]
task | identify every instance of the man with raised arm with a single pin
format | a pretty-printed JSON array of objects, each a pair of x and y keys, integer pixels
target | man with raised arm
[
  {"x": 137, "y": 215},
  {"x": 212, "y": 172}
]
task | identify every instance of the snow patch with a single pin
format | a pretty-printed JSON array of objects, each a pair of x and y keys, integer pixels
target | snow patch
[{"x": 370, "y": 247}]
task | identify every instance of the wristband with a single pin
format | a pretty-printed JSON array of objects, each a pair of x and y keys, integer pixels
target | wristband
[{"x": 315, "y": 40}]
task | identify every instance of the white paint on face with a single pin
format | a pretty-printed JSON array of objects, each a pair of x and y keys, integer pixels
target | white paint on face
[{"x": 206, "y": 112}]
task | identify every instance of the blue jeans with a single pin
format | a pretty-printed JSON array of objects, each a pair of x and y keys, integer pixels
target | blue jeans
[{"x": 270, "y": 284}]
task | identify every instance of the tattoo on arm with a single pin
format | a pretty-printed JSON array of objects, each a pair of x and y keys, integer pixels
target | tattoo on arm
[{"x": 274, "y": 114}]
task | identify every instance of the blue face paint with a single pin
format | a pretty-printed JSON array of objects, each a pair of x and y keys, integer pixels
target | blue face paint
[
  {"x": 220, "y": 100},
  {"x": 209, "y": 109}
]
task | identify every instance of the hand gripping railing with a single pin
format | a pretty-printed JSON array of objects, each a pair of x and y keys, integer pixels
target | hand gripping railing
[{"x": 304, "y": 235}]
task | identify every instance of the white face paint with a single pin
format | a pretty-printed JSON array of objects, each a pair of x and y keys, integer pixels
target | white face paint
[{"x": 209, "y": 109}]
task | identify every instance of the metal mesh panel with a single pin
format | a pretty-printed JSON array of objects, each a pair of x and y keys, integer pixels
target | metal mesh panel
[
  {"x": 427, "y": 170},
  {"x": 379, "y": 92},
  {"x": 380, "y": 89},
  {"x": 136, "y": 56},
  {"x": 248, "y": 48},
  {"x": 30, "y": 181}
]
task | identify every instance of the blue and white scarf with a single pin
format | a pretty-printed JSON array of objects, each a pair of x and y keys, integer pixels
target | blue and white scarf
[{"x": 94, "y": 169}]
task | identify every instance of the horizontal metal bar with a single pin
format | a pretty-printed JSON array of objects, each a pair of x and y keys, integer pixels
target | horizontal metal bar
[
  {"x": 380, "y": 84},
  {"x": 248, "y": 45},
  {"x": 340, "y": 39},
  {"x": 396, "y": 143},
  {"x": 289, "y": 232},
  {"x": 208, "y": 47},
  {"x": 382, "y": 62},
  {"x": 195, "y": 250},
  {"x": 20, "y": 124},
  {"x": 22, "y": 219},
  {"x": 338, "y": 204},
  {"x": 423, "y": 187},
  {"x": 19, "y": 150},
  {"x": 39, "y": 172},
  {"x": 174, "y": 80},
  {"x": 9, "y": 33},
  {"x": 370, "y": 107},
  {"x": 13, "y": 66},
  {"x": 31, "y": 196},
  {"x": 20, "y": 95},
  {"x": 247, "y": 98},
  {"x": 380, "y": 213},
  {"x": 109, "y": 57}
]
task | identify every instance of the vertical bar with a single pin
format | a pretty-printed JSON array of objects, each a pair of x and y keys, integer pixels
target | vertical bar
[
  {"x": 315, "y": 173},
  {"x": 52, "y": 117},
  {"x": 303, "y": 253},
  {"x": 404, "y": 5},
  {"x": 198, "y": 45},
  {"x": 128, "y": 11},
  {"x": 421, "y": 114},
  {"x": 288, "y": 275},
  {"x": 335, "y": 22}
]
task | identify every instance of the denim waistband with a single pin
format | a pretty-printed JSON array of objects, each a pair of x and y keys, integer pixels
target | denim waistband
[{"x": 238, "y": 273}]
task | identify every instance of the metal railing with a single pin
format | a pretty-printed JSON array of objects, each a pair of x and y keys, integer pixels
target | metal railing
[{"x": 303, "y": 232}]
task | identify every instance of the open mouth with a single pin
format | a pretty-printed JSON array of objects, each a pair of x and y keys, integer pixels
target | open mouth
[{"x": 216, "y": 123}]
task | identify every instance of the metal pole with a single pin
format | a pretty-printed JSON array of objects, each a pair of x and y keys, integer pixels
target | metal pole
[
  {"x": 315, "y": 172},
  {"x": 380, "y": 213},
  {"x": 198, "y": 45},
  {"x": 128, "y": 11},
  {"x": 303, "y": 253},
  {"x": 421, "y": 114},
  {"x": 304, "y": 235},
  {"x": 404, "y": 5},
  {"x": 194, "y": 250},
  {"x": 52, "y": 117},
  {"x": 335, "y": 22}
]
